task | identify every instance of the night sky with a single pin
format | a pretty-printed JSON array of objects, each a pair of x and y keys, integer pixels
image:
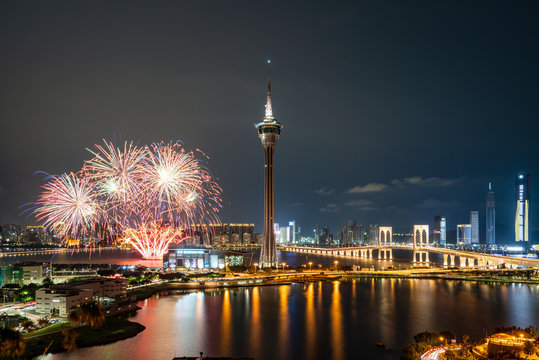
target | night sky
[{"x": 393, "y": 111}]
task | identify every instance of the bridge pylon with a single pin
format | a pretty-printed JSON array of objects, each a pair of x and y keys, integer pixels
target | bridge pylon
[
  {"x": 385, "y": 239},
  {"x": 421, "y": 244}
]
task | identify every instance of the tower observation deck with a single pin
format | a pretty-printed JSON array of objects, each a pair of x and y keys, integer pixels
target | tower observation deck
[{"x": 269, "y": 130}]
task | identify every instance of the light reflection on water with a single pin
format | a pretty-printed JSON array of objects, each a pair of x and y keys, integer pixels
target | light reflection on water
[{"x": 337, "y": 320}]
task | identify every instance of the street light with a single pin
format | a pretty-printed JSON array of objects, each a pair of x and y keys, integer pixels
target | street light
[
  {"x": 310, "y": 265},
  {"x": 256, "y": 264},
  {"x": 283, "y": 264},
  {"x": 336, "y": 264}
]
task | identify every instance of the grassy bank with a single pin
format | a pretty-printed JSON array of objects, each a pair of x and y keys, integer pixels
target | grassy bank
[{"x": 113, "y": 329}]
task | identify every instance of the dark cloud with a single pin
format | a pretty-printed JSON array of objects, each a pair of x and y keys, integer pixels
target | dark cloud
[
  {"x": 368, "y": 188},
  {"x": 325, "y": 191},
  {"x": 330, "y": 208},
  {"x": 358, "y": 203},
  {"x": 431, "y": 181}
]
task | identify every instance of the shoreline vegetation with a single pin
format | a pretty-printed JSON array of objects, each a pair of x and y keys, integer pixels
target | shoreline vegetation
[
  {"x": 504, "y": 343},
  {"x": 66, "y": 338}
]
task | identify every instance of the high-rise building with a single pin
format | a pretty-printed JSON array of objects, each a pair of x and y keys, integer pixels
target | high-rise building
[
  {"x": 373, "y": 235},
  {"x": 324, "y": 237},
  {"x": 440, "y": 230},
  {"x": 351, "y": 234},
  {"x": 490, "y": 220},
  {"x": 269, "y": 130},
  {"x": 464, "y": 234},
  {"x": 474, "y": 223},
  {"x": 522, "y": 215},
  {"x": 293, "y": 232}
]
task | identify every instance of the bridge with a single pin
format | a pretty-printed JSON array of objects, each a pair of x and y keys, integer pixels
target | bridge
[
  {"x": 420, "y": 249},
  {"x": 451, "y": 257}
]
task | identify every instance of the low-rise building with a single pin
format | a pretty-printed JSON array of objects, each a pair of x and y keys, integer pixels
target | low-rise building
[
  {"x": 200, "y": 258},
  {"x": 99, "y": 286},
  {"x": 61, "y": 299},
  {"x": 23, "y": 274}
]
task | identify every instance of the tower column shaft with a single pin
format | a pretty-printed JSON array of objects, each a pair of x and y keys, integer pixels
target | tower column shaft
[{"x": 268, "y": 253}]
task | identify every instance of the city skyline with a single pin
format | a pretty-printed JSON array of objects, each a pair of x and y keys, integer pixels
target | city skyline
[{"x": 383, "y": 85}]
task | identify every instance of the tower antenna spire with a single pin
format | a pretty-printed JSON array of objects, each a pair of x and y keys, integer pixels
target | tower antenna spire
[{"x": 269, "y": 110}]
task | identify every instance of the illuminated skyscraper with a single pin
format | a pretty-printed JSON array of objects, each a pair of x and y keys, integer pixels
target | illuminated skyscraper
[
  {"x": 464, "y": 234},
  {"x": 269, "y": 130},
  {"x": 522, "y": 215},
  {"x": 491, "y": 216},
  {"x": 474, "y": 222},
  {"x": 439, "y": 231}
]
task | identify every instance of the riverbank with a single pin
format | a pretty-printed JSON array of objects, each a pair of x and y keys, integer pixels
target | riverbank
[
  {"x": 114, "y": 329},
  {"x": 144, "y": 292},
  {"x": 444, "y": 276}
]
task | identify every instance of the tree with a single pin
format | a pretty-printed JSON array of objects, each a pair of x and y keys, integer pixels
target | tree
[
  {"x": 27, "y": 324},
  {"x": 462, "y": 354},
  {"x": 448, "y": 334},
  {"x": 528, "y": 349},
  {"x": 46, "y": 282},
  {"x": 426, "y": 338},
  {"x": 11, "y": 343},
  {"x": 414, "y": 351},
  {"x": 70, "y": 339},
  {"x": 465, "y": 338},
  {"x": 89, "y": 313},
  {"x": 43, "y": 322},
  {"x": 106, "y": 272}
]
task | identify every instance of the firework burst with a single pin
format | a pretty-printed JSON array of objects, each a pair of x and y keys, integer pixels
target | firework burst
[
  {"x": 115, "y": 173},
  {"x": 68, "y": 205},
  {"x": 149, "y": 195},
  {"x": 152, "y": 240}
]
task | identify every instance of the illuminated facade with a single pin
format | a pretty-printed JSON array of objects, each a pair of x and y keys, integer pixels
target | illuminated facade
[
  {"x": 269, "y": 130},
  {"x": 474, "y": 223},
  {"x": 440, "y": 230},
  {"x": 522, "y": 215},
  {"x": 490, "y": 220},
  {"x": 464, "y": 234}
]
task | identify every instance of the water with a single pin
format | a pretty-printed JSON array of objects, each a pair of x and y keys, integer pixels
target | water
[
  {"x": 326, "y": 320},
  {"x": 131, "y": 257}
]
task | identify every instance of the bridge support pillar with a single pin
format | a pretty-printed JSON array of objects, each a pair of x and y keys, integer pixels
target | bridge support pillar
[
  {"x": 418, "y": 256},
  {"x": 452, "y": 260},
  {"x": 445, "y": 259},
  {"x": 370, "y": 253},
  {"x": 462, "y": 261}
]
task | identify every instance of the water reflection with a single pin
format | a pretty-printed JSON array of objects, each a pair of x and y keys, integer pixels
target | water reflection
[
  {"x": 310, "y": 323},
  {"x": 283, "y": 321},
  {"x": 226, "y": 328},
  {"x": 337, "y": 333},
  {"x": 255, "y": 322},
  {"x": 325, "y": 320}
]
